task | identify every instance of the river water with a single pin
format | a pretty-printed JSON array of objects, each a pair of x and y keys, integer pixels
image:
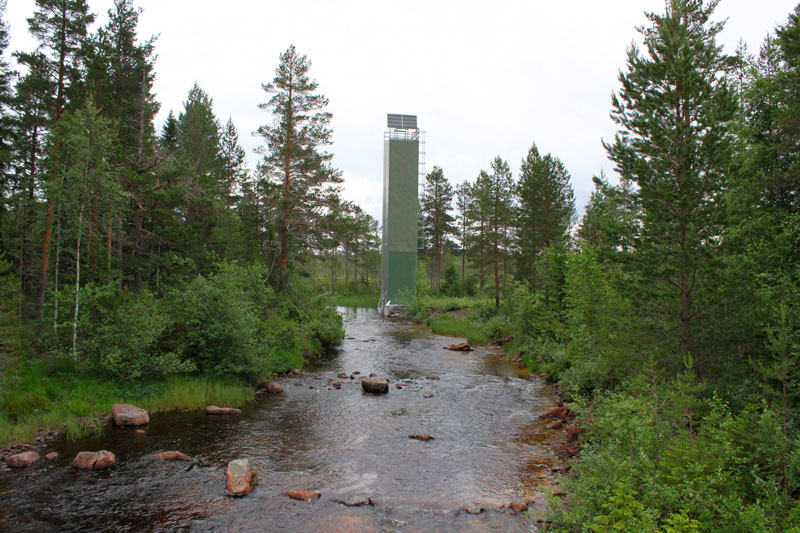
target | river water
[{"x": 481, "y": 410}]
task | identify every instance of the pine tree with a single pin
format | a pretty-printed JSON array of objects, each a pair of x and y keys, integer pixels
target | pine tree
[
  {"x": 546, "y": 209},
  {"x": 463, "y": 198},
  {"x": 674, "y": 112},
  {"x": 437, "y": 222},
  {"x": 293, "y": 156},
  {"x": 61, "y": 27}
]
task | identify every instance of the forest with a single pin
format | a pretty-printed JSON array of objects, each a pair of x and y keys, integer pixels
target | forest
[{"x": 135, "y": 259}]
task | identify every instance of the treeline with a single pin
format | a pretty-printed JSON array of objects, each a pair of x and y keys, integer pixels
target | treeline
[
  {"x": 113, "y": 228},
  {"x": 670, "y": 314}
]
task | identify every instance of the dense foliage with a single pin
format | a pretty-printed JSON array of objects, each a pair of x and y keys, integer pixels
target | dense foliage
[{"x": 142, "y": 252}]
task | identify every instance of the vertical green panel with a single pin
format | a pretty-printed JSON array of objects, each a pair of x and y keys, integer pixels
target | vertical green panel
[{"x": 400, "y": 218}]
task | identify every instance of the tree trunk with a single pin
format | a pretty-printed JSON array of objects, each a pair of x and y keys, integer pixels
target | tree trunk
[{"x": 77, "y": 285}]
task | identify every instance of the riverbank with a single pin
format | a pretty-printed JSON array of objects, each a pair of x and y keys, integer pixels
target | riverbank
[{"x": 38, "y": 396}]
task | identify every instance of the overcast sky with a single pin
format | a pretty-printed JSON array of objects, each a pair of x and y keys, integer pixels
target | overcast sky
[{"x": 484, "y": 78}]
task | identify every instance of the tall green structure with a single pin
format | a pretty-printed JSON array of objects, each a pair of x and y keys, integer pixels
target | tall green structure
[{"x": 401, "y": 164}]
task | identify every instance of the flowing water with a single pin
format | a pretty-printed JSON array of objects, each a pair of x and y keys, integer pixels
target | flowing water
[{"x": 481, "y": 410}]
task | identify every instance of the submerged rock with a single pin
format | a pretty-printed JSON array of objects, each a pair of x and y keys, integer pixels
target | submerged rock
[
  {"x": 357, "y": 501},
  {"x": 52, "y": 456},
  {"x": 303, "y": 495},
  {"x": 375, "y": 385},
  {"x": 239, "y": 478},
  {"x": 129, "y": 415},
  {"x": 424, "y": 438},
  {"x": 473, "y": 510},
  {"x": 342, "y": 375},
  {"x": 173, "y": 456},
  {"x": 94, "y": 460},
  {"x": 214, "y": 410},
  {"x": 335, "y": 383},
  {"x": 22, "y": 460}
]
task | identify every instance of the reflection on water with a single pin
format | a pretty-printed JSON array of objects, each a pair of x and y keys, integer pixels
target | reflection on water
[{"x": 487, "y": 450}]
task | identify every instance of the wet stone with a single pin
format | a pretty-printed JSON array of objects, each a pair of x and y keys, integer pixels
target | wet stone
[
  {"x": 173, "y": 456},
  {"x": 22, "y": 460},
  {"x": 94, "y": 460},
  {"x": 129, "y": 415},
  {"x": 214, "y": 410},
  {"x": 303, "y": 495},
  {"x": 239, "y": 478},
  {"x": 375, "y": 385}
]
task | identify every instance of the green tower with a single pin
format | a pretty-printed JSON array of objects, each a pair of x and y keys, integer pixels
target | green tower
[{"x": 401, "y": 164}]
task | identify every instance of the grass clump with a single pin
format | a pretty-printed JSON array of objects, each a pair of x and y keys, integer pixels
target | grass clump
[
  {"x": 458, "y": 327},
  {"x": 56, "y": 394}
]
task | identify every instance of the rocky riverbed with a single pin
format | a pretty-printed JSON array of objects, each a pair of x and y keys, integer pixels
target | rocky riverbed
[{"x": 455, "y": 443}]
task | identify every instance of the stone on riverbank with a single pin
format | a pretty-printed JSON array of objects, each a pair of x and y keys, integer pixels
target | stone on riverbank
[
  {"x": 94, "y": 460},
  {"x": 518, "y": 507},
  {"x": 303, "y": 495},
  {"x": 129, "y": 415},
  {"x": 214, "y": 410},
  {"x": 375, "y": 385},
  {"x": 239, "y": 478},
  {"x": 22, "y": 460},
  {"x": 173, "y": 456}
]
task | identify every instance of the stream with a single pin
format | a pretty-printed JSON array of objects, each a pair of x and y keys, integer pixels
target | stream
[{"x": 482, "y": 410}]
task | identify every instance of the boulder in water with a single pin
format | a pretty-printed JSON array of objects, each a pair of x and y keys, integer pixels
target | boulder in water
[
  {"x": 129, "y": 415},
  {"x": 375, "y": 385},
  {"x": 239, "y": 478},
  {"x": 22, "y": 460},
  {"x": 94, "y": 460}
]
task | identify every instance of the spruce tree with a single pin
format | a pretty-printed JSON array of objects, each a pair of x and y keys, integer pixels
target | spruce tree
[
  {"x": 294, "y": 157},
  {"x": 674, "y": 111},
  {"x": 546, "y": 209}
]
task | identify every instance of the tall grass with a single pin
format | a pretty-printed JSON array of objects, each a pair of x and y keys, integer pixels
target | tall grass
[
  {"x": 458, "y": 327},
  {"x": 54, "y": 394},
  {"x": 424, "y": 306}
]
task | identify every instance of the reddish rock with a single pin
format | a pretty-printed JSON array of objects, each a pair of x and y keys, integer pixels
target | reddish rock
[
  {"x": 52, "y": 456},
  {"x": 22, "y": 460},
  {"x": 357, "y": 372},
  {"x": 372, "y": 374},
  {"x": 473, "y": 510},
  {"x": 173, "y": 456},
  {"x": 214, "y": 410},
  {"x": 555, "y": 412},
  {"x": 375, "y": 385},
  {"x": 94, "y": 460},
  {"x": 129, "y": 415},
  {"x": 239, "y": 478},
  {"x": 294, "y": 372},
  {"x": 555, "y": 424},
  {"x": 140, "y": 432},
  {"x": 424, "y": 438},
  {"x": 462, "y": 347},
  {"x": 573, "y": 432},
  {"x": 518, "y": 507},
  {"x": 427, "y": 395},
  {"x": 352, "y": 376},
  {"x": 566, "y": 449},
  {"x": 342, "y": 375},
  {"x": 335, "y": 383},
  {"x": 303, "y": 495}
]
